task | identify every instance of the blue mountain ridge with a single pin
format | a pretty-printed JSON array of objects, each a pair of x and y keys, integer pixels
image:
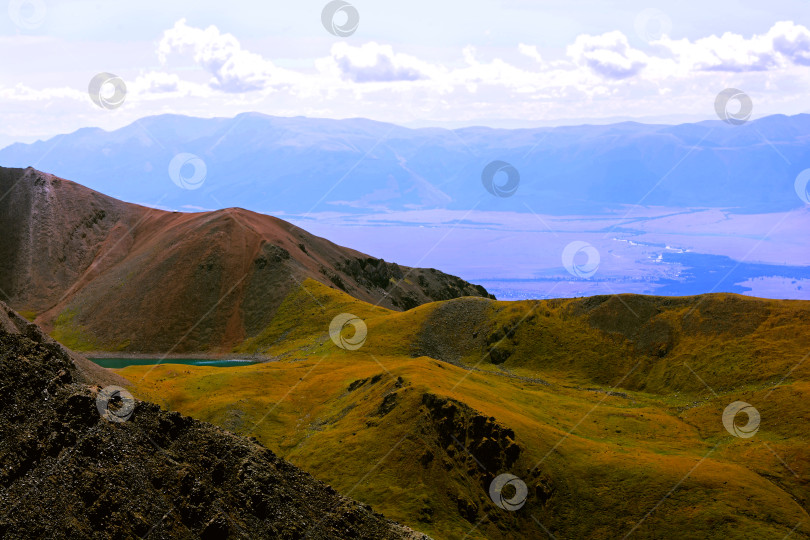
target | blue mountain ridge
[{"x": 300, "y": 165}]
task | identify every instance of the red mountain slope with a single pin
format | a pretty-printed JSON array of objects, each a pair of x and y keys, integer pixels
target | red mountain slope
[{"x": 109, "y": 275}]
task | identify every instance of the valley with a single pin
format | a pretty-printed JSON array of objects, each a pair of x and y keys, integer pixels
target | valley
[
  {"x": 601, "y": 406},
  {"x": 411, "y": 391}
]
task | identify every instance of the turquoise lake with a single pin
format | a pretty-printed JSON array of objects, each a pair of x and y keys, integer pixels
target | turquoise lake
[{"x": 116, "y": 363}]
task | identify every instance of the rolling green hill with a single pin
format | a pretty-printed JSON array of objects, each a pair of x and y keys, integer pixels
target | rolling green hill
[{"x": 609, "y": 409}]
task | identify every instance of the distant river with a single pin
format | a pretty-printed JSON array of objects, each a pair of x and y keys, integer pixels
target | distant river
[{"x": 116, "y": 363}]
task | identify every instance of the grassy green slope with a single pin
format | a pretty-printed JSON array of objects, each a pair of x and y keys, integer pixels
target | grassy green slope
[{"x": 609, "y": 409}]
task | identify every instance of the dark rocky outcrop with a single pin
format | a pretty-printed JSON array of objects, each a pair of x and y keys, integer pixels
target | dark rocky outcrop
[
  {"x": 65, "y": 472},
  {"x": 398, "y": 284},
  {"x": 475, "y": 446},
  {"x": 491, "y": 445}
]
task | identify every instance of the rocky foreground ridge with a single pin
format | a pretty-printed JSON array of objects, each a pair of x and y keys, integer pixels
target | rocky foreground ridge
[{"x": 76, "y": 462}]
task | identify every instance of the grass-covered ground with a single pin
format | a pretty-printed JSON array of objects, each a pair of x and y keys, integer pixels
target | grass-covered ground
[{"x": 609, "y": 409}]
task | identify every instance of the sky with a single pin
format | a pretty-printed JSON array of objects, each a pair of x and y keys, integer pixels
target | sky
[{"x": 508, "y": 63}]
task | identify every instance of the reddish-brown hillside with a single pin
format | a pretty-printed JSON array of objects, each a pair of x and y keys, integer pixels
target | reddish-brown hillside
[{"x": 109, "y": 275}]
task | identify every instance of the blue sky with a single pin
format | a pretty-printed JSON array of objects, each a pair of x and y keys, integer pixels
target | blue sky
[{"x": 502, "y": 63}]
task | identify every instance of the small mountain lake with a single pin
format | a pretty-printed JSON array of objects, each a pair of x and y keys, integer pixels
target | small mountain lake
[{"x": 116, "y": 363}]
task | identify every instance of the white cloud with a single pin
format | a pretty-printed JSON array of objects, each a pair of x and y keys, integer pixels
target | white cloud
[
  {"x": 233, "y": 68},
  {"x": 530, "y": 51},
  {"x": 792, "y": 41},
  {"x": 21, "y": 92},
  {"x": 784, "y": 44},
  {"x": 729, "y": 52},
  {"x": 373, "y": 62},
  {"x": 599, "y": 76},
  {"x": 158, "y": 82},
  {"x": 609, "y": 55}
]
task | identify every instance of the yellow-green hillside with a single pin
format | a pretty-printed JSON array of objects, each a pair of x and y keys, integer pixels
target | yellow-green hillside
[{"x": 609, "y": 409}]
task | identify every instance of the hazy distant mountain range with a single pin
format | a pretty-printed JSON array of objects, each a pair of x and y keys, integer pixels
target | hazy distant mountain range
[
  {"x": 686, "y": 209},
  {"x": 298, "y": 165}
]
